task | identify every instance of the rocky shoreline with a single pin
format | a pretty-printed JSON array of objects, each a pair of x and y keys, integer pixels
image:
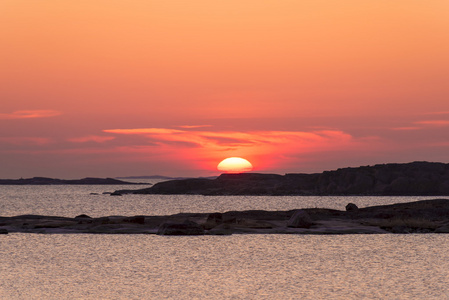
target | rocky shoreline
[
  {"x": 410, "y": 179},
  {"x": 426, "y": 216}
]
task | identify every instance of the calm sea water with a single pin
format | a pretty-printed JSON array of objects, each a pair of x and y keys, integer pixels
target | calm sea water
[
  {"x": 82, "y": 266},
  {"x": 73, "y": 200}
]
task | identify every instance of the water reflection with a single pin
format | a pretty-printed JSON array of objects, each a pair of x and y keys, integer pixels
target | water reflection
[
  {"x": 239, "y": 266},
  {"x": 70, "y": 201}
]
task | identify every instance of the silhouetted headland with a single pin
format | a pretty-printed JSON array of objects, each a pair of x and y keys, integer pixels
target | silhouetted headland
[
  {"x": 426, "y": 216},
  {"x": 53, "y": 181},
  {"x": 416, "y": 178}
]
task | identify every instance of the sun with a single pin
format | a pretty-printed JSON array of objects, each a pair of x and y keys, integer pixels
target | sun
[{"x": 234, "y": 165}]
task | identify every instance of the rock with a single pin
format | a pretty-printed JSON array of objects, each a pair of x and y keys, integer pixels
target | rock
[
  {"x": 102, "y": 220},
  {"x": 425, "y": 216},
  {"x": 222, "y": 229},
  {"x": 185, "y": 228},
  {"x": 83, "y": 216},
  {"x": 229, "y": 220},
  {"x": 300, "y": 219},
  {"x": 416, "y": 178},
  {"x": 423, "y": 230},
  {"x": 351, "y": 207},
  {"x": 213, "y": 220},
  {"x": 400, "y": 229},
  {"x": 215, "y": 217},
  {"x": 104, "y": 228},
  {"x": 135, "y": 220},
  {"x": 55, "y": 181},
  {"x": 442, "y": 229},
  {"x": 255, "y": 224}
]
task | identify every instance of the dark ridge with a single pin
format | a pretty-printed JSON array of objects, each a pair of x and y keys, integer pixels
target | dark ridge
[
  {"x": 54, "y": 181},
  {"x": 410, "y": 179}
]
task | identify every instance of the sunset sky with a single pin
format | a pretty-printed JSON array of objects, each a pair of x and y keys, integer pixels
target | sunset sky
[{"x": 110, "y": 88}]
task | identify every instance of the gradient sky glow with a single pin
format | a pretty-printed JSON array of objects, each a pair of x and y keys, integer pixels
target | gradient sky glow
[{"x": 112, "y": 88}]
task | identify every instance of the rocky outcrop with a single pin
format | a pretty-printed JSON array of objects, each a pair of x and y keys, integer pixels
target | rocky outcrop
[
  {"x": 184, "y": 228},
  {"x": 351, "y": 207},
  {"x": 83, "y": 216},
  {"x": 300, "y": 219},
  {"x": 54, "y": 181},
  {"x": 427, "y": 216},
  {"x": 417, "y": 178}
]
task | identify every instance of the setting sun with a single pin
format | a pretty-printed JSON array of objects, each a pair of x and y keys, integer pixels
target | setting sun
[{"x": 234, "y": 165}]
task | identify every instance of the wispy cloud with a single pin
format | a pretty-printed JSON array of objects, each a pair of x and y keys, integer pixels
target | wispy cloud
[
  {"x": 267, "y": 146},
  {"x": 422, "y": 125},
  {"x": 434, "y": 122},
  {"x": 26, "y": 141},
  {"x": 91, "y": 138},
  {"x": 193, "y": 126},
  {"x": 144, "y": 131},
  {"x": 227, "y": 138},
  {"x": 437, "y": 113},
  {"x": 405, "y": 128},
  {"x": 29, "y": 114}
]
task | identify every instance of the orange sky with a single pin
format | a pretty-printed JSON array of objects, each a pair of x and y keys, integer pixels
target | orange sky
[{"x": 117, "y": 88}]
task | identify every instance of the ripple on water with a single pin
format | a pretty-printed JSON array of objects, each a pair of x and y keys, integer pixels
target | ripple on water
[
  {"x": 239, "y": 266},
  {"x": 72, "y": 200}
]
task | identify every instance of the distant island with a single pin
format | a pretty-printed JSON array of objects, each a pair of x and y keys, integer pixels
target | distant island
[
  {"x": 53, "y": 181},
  {"x": 416, "y": 178},
  {"x": 161, "y": 177}
]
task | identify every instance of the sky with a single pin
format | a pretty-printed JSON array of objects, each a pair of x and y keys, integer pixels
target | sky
[{"x": 108, "y": 88}]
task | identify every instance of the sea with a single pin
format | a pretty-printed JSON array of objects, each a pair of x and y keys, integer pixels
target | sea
[{"x": 240, "y": 266}]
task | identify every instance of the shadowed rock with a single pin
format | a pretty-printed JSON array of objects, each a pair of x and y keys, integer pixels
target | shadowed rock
[
  {"x": 136, "y": 219},
  {"x": 215, "y": 217},
  {"x": 83, "y": 216},
  {"x": 55, "y": 181},
  {"x": 426, "y": 216},
  {"x": 185, "y": 228},
  {"x": 213, "y": 220},
  {"x": 417, "y": 178},
  {"x": 300, "y": 219},
  {"x": 222, "y": 229},
  {"x": 351, "y": 207},
  {"x": 442, "y": 229}
]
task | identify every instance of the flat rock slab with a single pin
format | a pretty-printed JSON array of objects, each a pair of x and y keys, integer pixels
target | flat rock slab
[{"x": 427, "y": 216}]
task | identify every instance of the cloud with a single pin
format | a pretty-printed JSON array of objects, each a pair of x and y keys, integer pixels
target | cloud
[
  {"x": 91, "y": 138},
  {"x": 268, "y": 147},
  {"x": 228, "y": 140},
  {"x": 193, "y": 126},
  {"x": 434, "y": 122},
  {"x": 407, "y": 128},
  {"x": 235, "y": 138},
  {"x": 144, "y": 131},
  {"x": 438, "y": 113},
  {"x": 29, "y": 114},
  {"x": 423, "y": 124},
  {"x": 27, "y": 141}
]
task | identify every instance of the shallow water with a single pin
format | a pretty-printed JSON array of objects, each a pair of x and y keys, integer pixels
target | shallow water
[
  {"x": 73, "y": 200},
  {"x": 83, "y": 266}
]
